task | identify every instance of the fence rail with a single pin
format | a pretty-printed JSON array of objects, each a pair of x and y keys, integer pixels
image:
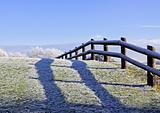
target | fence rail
[{"x": 150, "y": 52}]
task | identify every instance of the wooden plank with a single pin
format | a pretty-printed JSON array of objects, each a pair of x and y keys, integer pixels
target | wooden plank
[
  {"x": 134, "y": 62},
  {"x": 149, "y": 53},
  {"x": 76, "y": 49},
  {"x": 107, "y": 42},
  {"x": 119, "y": 55},
  {"x": 140, "y": 50},
  {"x": 118, "y": 42}
]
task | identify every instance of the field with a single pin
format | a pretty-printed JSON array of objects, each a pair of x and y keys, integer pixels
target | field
[{"x": 64, "y": 86}]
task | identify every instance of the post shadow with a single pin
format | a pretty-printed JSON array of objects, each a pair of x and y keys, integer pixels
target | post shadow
[
  {"x": 108, "y": 101},
  {"x": 55, "y": 99}
]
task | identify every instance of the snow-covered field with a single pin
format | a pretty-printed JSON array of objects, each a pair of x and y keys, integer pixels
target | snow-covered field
[{"x": 64, "y": 86}]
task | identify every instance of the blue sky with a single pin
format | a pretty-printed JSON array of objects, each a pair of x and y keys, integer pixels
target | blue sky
[{"x": 38, "y": 22}]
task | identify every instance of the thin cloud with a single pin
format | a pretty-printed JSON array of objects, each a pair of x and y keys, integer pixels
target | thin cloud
[{"x": 150, "y": 26}]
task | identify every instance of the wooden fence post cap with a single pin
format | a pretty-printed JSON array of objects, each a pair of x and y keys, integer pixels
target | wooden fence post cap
[
  {"x": 123, "y": 39},
  {"x": 150, "y": 48},
  {"x": 104, "y": 38}
]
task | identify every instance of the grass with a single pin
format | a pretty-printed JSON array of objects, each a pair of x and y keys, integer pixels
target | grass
[
  {"x": 84, "y": 86},
  {"x": 12, "y": 86},
  {"x": 127, "y": 86},
  {"x": 15, "y": 85}
]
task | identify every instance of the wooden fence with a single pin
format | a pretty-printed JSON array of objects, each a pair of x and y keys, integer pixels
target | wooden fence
[{"x": 150, "y": 52}]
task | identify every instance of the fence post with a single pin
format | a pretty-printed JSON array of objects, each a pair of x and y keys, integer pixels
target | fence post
[
  {"x": 123, "y": 51},
  {"x": 66, "y": 55},
  {"x": 70, "y": 55},
  {"x": 76, "y": 53},
  {"x": 62, "y": 57},
  {"x": 83, "y": 50},
  {"x": 150, "y": 63},
  {"x": 105, "y": 47},
  {"x": 92, "y": 48}
]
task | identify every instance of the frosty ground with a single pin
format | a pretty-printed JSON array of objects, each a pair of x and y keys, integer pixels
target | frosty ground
[{"x": 68, "y": 86}]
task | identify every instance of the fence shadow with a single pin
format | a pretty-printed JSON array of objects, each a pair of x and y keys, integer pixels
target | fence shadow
[
  {"x": 90, "y": 81},
  {"x": 55, "y": 99},
  {"x": 109, "y": 102}
]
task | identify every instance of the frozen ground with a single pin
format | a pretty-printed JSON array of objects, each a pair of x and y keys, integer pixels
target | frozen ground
[{"x": 63, "y": 86}]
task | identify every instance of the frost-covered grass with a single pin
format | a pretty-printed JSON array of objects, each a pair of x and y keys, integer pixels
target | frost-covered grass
[
  {"x": 16, "y": 87},
  {"x": 45, "y": 85}
]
